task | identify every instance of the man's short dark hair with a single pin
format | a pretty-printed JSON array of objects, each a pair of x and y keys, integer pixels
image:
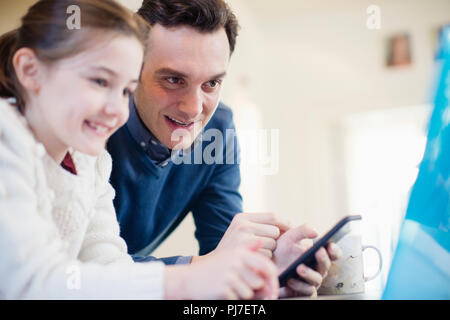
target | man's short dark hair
[{"x": 202, "y": 15}]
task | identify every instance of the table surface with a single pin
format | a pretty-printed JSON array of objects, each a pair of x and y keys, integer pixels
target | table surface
[{"x": 373, "y": 295}]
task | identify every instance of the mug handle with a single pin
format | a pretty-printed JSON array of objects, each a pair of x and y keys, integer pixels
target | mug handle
[{"x": 379, "y": 259}]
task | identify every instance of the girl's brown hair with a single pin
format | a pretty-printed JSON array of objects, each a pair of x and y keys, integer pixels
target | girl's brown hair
[{"x": 45, "y": 30}]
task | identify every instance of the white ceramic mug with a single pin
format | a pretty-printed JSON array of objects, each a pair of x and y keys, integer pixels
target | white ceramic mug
[{"x": 346, "y": 275}]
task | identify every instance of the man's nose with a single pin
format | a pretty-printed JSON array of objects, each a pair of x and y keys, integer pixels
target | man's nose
[{"x": 192, "y": 105}]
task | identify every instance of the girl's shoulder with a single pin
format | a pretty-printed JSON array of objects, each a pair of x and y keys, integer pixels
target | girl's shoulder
[
  {"x": 9, "y": 113},
  {"x": 14, "y": 131}
]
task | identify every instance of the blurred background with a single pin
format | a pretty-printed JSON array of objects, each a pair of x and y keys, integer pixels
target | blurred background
[{"x": 346, "y": 85}]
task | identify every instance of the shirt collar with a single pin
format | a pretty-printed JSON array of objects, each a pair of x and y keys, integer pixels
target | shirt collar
[{"x": 158, "y": 152}]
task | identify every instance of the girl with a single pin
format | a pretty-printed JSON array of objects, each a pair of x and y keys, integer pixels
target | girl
[{"x": 65, "y": 91}]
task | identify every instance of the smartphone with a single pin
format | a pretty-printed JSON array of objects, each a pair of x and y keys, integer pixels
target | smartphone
[{"x": 334, "y": 235}]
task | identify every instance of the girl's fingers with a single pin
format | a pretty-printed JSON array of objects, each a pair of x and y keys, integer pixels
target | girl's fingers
[
  {"x": 252, "y": 279},
  {"x": 266, "y": 270},
  {"x": 241, "y": 288},
  {"x": 230, "y": 294}
]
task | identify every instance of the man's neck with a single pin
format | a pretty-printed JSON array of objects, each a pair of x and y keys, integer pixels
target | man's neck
[{"x": 157, "y": 152}]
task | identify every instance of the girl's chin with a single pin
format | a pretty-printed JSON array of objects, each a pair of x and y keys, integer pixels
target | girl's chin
[{"x": 92, "y": 150}]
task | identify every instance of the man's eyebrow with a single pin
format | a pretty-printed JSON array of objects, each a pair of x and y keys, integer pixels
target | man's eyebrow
[
  {"x": 178, "y": 74},
  {"x": 170, "y": 72},
  {"x": 220, "y": 75}
]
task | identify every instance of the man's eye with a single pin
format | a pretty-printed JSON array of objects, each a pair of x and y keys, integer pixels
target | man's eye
[
  {"x": 100, "y": 82},
  {"x": 213, "y": 83},
  {"x": 173, "y": 80}
]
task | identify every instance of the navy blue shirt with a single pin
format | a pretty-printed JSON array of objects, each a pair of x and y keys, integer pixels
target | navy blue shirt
[{"x": 153, "y": 195}]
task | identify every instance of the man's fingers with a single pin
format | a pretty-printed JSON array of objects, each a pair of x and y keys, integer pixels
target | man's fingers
[
  {"x": 309, "y": 275},
  {"x": 267, "y": 243},
  {"x": 334, "y": 251},
  {"x": 301, "y": 232},
  {"x": 306, "y": 244},
  {"x": 269, "y": 218},
  {"x": 255, "y": 244},
  {"x": 323, "y": 261},
  {"x": 267, "y": 253},
  {"x": 301, "y": 287},
  {"x": 263, "y": 230},
  {"x": 263, "y": 245}
]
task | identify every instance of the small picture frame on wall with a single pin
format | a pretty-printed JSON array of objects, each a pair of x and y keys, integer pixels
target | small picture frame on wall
[{"x": 398, "y": 52}]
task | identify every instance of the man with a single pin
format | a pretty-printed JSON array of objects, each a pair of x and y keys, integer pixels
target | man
[{"x": 176, "y": 103}]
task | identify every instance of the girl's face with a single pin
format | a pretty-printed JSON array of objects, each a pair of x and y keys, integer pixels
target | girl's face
[{"x": 83, "y": 99}]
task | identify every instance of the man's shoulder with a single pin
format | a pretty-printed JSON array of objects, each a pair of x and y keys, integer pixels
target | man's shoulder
[{"x": 222, "y": 118}]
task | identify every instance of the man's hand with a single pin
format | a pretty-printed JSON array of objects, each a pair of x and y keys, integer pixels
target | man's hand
[
  {"x": 292, "y": 244},
  {"x": 246, "y": 228}
]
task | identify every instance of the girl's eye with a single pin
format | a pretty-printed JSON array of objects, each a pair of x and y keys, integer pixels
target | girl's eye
[{"x": 100, "y": 82}]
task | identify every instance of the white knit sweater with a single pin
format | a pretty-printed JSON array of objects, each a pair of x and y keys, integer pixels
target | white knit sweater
[{"x": 59, "y": 237}]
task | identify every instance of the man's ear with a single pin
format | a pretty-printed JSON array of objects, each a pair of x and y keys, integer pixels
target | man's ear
[{"x": 28, "y": 68}]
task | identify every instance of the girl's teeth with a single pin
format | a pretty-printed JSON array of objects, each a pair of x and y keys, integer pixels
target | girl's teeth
[
  {"x": 98, "y": 128},
  {"x": 101, "y": 129}
]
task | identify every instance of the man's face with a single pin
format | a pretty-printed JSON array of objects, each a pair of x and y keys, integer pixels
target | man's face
[{"x": 181, "y": 82}]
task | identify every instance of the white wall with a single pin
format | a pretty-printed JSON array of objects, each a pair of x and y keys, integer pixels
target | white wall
[
  {"x": 306, "y": 65},
  {"x": 311, "y": 63}
]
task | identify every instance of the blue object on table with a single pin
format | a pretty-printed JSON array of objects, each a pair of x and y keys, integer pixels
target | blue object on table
[{"x": 421, "y": 265}]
